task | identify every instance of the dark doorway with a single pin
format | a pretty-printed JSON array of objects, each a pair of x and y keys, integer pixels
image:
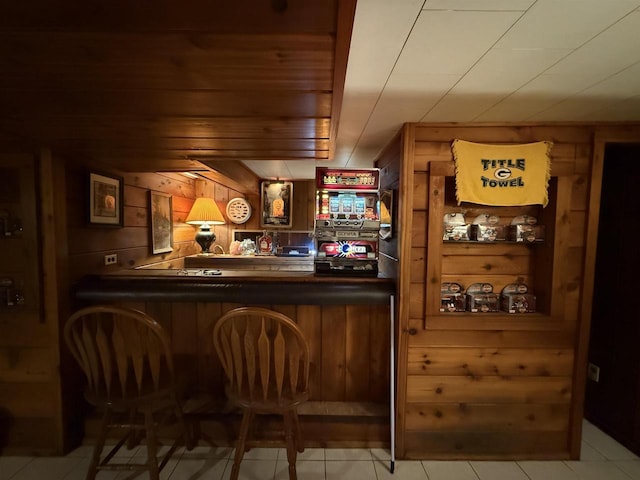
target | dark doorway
[{"x": 612, "y": 401}]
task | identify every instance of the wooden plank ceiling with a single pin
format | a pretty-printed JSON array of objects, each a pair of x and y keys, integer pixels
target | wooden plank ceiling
[{"x": 163, "y": 85}]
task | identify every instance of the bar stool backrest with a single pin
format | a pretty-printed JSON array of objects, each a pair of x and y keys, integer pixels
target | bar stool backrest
[
  {"x": 265, "y": 358},
  {"x": 124, "y": 353}
]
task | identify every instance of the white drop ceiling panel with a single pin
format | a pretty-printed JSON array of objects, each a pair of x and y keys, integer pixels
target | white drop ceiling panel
[
  {"x": 406, "y": 99},
  {"x": 538, "y": 95},
  {"x": 451, "y": 42},
  {"x": 565, "y": 23},
  {"x": 506, "y": 5},
  {"x": 269, "y": 169},
  {"x": 586, "y": 104},
  {"x": 519, "y": 107},
  {"x": 610, "y": 51},
  {"x": 502, "y": 71},
  {"x": 379, "y": 32},
  {"x": 299, "y": 170},
  {"x": 460, "y": 108}
]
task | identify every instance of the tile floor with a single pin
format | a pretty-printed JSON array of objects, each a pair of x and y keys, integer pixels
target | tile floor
[{"x": 602, "y": 458}]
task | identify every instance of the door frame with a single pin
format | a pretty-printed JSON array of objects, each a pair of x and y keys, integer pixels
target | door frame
[{"x": 602, "y": 137}]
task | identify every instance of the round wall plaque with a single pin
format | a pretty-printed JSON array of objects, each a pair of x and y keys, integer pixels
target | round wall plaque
[{"x": 238, "y": 210}]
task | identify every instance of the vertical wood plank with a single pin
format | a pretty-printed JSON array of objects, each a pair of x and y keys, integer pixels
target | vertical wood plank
[
  {"x": 333, "y": 353},
  {"x": 309, "y": 319},
  {"x": 434, "y": 239},
  {"x": 357, "y": 351},
  {"x": 210, "y": 374},
  {"x": 379, "y": 362}
]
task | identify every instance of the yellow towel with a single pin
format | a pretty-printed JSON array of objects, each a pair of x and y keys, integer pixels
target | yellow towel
[{"x": 502, "y": 174}]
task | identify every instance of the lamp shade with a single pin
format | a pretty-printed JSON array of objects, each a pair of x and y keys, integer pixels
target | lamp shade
[{"x": 205, "y": 212}]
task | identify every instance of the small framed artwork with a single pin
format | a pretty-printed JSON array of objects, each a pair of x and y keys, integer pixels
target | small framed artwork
[
  {"x": 276, "y": 201},
  {"x": 105, "y": 199},
  {"x": 161, "y": 215}
]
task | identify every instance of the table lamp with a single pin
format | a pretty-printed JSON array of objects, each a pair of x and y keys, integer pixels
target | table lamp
[{"x": 205, "y": 213}]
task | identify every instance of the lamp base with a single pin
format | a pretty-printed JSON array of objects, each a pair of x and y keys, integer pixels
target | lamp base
[{"x": 205, "y": 238}]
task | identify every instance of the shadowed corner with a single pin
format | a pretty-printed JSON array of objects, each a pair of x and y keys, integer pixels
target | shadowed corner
[{"x": 6, "y": 421}]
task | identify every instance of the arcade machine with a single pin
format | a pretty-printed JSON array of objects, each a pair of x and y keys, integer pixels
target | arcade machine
[{"x": 347, "y": 222}]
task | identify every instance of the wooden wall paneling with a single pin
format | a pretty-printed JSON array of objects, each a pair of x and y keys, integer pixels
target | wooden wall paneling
[
  {"x": 497, "y": 321},
  {"x": 498, "y": 264},
  {"x": 415, "y": 303},
  {"x": 481, "y": 361},
  {"x": 221, "y": 195},
  {"x": 488, "y": 389},
  {"x": 173, "y": 184},
  {"x": 405, "y": 309},
  {"x": 210, "y": 372},
  {"x": 55, "y": 287},
  {"x": 476, "y": 251},
  {"x": 333, "y": 353},
  {"x": 20, "y": 330},
  {"x": 434, "y": 264},
  {"x": 532, "y": 417},
  {"x": 492, "y": 133},
  {"x": 184, "y": 344},
  {"x": 26, "y": 365},
  {"x": 492, "y": 338},
  {"x": 89, "y": 244},
  {"x": 573, "y": 288},
  {"x": 419, "y": 231},
  {"x": 181, "y": 208},
  {"x": 254, "y": 222},
  {"x": 578, "y": 226},
  {"x": 556, "y": 270},
  {"x": 25, "y": 400},
  {"x": 580, "y": 189},
  {"x": 555, "y": 266},
  {"x": 516, "y": 445},
  {"x": 379, "y": 351},
  {"x": 29, "y": 346},
  {"x": 309, "y": 319},
  {"x": 357, "y": 352},
  {"x": 431, "y": 151},
  {"x": 421, "y": 191},
  {"x": 498, "y": 281},
  {"x": 389, "y": 165},
  {"x": 418, "y": 265}
]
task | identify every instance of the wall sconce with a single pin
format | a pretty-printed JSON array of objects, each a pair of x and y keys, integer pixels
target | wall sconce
[{"x": 205, "y": 213}]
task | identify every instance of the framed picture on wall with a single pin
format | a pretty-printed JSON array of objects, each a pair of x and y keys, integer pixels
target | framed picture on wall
[
  {"x": 161, "y": 219},
  {"x": 276, "y": 203},
  {"x": 105, "y": 199}
]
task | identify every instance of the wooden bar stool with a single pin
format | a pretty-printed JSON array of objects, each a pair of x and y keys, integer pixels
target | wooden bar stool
[
  {"x": 266, "y": 362},
  {"x": 127, "y": 361}
]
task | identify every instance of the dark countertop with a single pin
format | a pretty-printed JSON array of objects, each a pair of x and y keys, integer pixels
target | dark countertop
[{"x": 234, "y": 286}]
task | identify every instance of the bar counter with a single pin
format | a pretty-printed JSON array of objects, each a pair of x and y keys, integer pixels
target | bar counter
[
  {"x": 346, "y": 321},
  {"x": 234, "y": 286}
]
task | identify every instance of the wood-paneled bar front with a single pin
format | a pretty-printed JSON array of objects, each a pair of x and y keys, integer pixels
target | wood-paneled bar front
[{"x": 345, "y": 320}]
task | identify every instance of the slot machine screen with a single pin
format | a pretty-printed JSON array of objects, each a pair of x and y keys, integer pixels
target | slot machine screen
[{"x": 347, "y": 206}]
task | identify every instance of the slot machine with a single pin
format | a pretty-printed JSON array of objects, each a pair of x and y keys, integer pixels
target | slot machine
[{"x": 347, "y": 221}]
